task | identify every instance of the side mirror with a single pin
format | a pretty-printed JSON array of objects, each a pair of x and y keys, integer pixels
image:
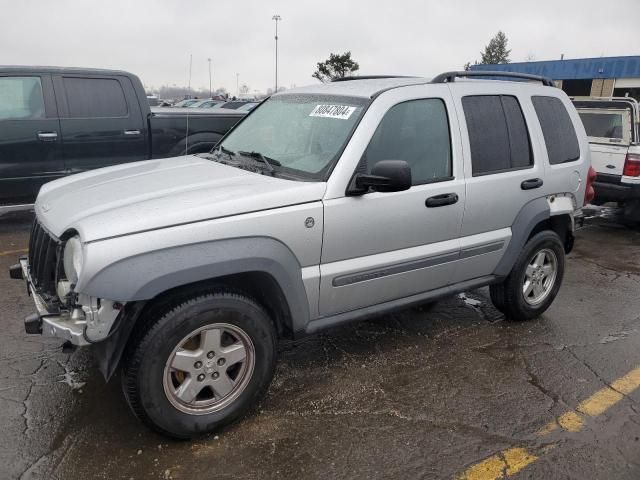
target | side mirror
[{"x": 385, "y": 176}]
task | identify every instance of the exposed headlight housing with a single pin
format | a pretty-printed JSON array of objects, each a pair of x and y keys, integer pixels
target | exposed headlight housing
[{"x": 73, "y": 259}]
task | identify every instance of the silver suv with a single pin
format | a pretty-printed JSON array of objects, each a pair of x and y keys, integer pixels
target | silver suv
[{"x": 325, "y": 205}]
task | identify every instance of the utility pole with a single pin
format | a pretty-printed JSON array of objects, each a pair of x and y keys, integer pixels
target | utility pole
[
  {"x": 190, "y": 65},
  {"x": 237, "y": 85},
  {"x": 277, "y": 18},
  {"x": 210, "y": 91}
]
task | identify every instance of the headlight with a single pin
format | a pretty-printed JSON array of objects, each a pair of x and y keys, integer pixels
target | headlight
[{"x": 72, "y": 259}]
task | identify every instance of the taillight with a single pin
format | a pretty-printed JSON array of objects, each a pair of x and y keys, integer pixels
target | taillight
[
  {"x": 590, "y": 192},
  {"x": 631, "y": 165}
]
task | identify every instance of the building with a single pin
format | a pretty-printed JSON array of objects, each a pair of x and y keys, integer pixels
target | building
[{"x": 596, "y": 77}]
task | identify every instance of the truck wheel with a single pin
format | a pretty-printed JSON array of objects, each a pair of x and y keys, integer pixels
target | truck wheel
[
  {"x": 200, "y": 365},
  {"x": 535, "y": 279}
]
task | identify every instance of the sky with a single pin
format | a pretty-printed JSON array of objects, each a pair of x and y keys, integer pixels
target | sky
[{"x": 154, "y": 39}]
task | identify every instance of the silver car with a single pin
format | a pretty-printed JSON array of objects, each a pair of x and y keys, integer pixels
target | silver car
[{"x": 324, "y": 205}]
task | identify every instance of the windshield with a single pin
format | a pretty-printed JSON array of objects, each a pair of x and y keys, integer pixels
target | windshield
[{"x": 303, "y": 133}]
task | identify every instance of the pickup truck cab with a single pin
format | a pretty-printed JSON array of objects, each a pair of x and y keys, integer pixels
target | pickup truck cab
[
  {"x": 60, "y": 121},
  {"x": 612, "y": 127},
  {"x": 324, "y": 205}
]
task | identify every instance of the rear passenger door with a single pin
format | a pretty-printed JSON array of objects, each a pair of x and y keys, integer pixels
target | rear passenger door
[
  {"x": 503, "y": 171},
  {"x": 101, "y": 121},
  {"x": 30, "y": 152}
]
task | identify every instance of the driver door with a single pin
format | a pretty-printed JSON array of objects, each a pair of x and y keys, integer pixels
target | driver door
[{"x": 379, "y": 247}]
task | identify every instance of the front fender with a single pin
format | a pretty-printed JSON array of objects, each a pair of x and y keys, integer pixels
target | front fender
[{"x": 146, "y": 275}]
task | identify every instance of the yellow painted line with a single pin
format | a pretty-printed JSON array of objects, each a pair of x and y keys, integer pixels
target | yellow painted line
[
  {"x": 600, "y": 402},
  {"x": 488, "y": 469},
  {"x": 571, "y": 421},
  {"x": 13, "y": 252},
  {"x": 510, "y": 461},
  {"x": 516, "y": 459},
  {"x": 628, "y": 383}
]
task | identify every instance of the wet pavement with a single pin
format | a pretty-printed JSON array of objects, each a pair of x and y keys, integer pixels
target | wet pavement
[{"x": 424, "y": 393}]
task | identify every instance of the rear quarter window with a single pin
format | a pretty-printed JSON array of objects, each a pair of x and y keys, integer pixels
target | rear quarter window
[{"x": 557, "y": 128}]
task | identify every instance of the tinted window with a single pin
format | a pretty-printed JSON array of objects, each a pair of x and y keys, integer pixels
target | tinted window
[
  {"x": 95, "y": 97},
  {"x": 418, "y": 133},
  {"x": 497, "y": 134},
  {"x": 21, "y": 98},
  {"x": 559, "y": 134}
]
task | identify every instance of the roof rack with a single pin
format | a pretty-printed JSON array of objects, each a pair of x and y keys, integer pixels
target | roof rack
[
  {"x": 451, "y": 76},
  {"x": 368, "y": 77}
]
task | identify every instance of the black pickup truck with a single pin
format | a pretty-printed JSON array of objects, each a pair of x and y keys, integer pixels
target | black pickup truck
[{"x": 59, "y": 121}]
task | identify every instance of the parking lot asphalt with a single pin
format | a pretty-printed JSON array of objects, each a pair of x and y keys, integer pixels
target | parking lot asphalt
[{"x": 446, "y": 391}]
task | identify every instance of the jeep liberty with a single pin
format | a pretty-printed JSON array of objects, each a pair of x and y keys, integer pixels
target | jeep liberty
[{"x": 324, "y": 205}]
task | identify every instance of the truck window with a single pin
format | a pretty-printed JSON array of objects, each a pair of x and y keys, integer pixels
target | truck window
[
  {"x": 21, "y": 98},
  {"x": 607, "y": 125},
  {"x": 95, "y": 97},
  {"x": 557, "y": 129},
  {"x": 498, "y": 134},
  {"x": 417, "y": 132}
]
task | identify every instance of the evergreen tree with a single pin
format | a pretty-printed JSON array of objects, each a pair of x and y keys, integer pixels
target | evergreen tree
[{"x": 336, "y": 66}]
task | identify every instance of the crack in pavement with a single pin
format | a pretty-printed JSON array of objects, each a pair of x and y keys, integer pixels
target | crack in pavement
[{"x": 597, "y": 375}]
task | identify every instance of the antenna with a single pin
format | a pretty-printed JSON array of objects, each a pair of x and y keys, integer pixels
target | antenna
[{"x": 186, "y": 138}]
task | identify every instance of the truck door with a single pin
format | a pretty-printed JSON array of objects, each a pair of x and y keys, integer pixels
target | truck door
[
  {"x": 30, "y": 152},
  {"x": 101, "y": 121}
]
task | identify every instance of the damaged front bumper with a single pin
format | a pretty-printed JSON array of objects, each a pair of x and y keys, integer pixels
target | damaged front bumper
[{"x": 88, "y": 322}]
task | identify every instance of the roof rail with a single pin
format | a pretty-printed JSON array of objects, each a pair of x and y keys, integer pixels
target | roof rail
[
  {"x": 368, "y": 77},
  {"x": 451, "y": 76}
]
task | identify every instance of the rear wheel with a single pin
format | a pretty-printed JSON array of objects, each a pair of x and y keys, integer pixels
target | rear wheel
[
  {"x": 200, "y": 365},
  {"x": 535, "y": 279}
]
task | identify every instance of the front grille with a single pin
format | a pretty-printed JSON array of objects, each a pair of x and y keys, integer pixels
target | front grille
[{"x": 44, "y": 254}]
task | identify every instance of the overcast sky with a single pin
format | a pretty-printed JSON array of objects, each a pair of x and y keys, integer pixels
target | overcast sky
[{"x": 154, "y": 39}]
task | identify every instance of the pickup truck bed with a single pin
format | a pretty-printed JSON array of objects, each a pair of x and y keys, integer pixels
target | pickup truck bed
[{"x": 60, "y": 121}]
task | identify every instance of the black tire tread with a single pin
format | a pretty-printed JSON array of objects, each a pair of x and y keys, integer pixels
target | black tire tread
[
  {"x": 145, "y": 332},
  {"x": 507, "y": 296}
]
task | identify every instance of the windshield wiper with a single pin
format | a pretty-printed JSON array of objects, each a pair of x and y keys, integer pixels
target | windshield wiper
[
  {"x": 269, "y": 162},
  {"x": 225, "y": 150}
]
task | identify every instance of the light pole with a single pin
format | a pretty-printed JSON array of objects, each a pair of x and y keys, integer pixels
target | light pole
[
  {"x": 277, "y": 18},
  {"x": 210, "y": 91}
]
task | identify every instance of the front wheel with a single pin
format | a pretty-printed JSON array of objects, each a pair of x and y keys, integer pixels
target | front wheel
[
  {"x": 200, "y": 365},
  {"x": 535, "y": 279}
]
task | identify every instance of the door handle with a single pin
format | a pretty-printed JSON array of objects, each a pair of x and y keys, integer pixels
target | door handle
[
  {"x": 441, "y": 200},
  {"x": 47, "y": 136},
  {"x": 132, "y": 132},
  {"x": 531, "y": 184}
]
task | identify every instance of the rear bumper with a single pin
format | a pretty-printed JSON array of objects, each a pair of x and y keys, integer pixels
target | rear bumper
[{"x": 609, "y": 188}]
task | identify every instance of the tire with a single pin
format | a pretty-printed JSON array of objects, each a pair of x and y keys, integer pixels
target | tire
[
  {"x": 509, "y": 296},
  {"x": 193, "y": 402},
  {"x": 496, "y": 292}
]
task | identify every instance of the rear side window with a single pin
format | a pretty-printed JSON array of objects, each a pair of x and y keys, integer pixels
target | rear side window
[
  {"x": 557, "y": 128},
  {"x": 417, "y": 132},
  {"x": 95, "y": 97},
  {"x": 21, "y": 98},
  {"x": 497, "y": 134}
]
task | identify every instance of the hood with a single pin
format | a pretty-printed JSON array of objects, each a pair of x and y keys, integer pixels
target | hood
[{"x": 152, "y": 194}]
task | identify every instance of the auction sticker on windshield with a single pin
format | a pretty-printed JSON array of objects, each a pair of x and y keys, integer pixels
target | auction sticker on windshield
[{"x": 333, "y": 111}]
